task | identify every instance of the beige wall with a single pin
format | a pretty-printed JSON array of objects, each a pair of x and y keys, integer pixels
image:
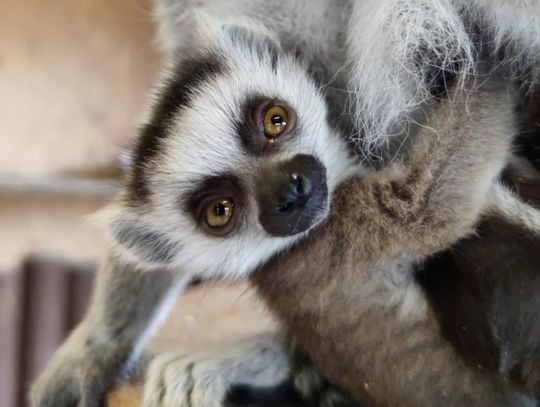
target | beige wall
[
  {"x": 74, "y": 75},
  {"x": 52, "y": 225}
]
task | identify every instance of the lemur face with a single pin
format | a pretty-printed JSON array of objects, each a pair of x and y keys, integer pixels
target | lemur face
[{"x": 236, "y": 162}]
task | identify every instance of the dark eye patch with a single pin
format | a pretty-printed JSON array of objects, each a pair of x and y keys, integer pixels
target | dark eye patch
[
  {"x": 250, "y": 127},
  {"x": 211, "y": 188},
  {"x": 176, "y": 92},
  {"x": 149, "y": 245}
]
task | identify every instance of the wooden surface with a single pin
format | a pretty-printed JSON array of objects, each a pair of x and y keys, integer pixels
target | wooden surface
[
  {"x": 126, "y": 395},
  {"x": 11, "y": 286}
]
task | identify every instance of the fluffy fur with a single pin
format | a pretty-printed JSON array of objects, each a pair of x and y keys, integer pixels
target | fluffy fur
[
  {"x": 400, "y": 50},
  {"x": 487, "y": 342}
]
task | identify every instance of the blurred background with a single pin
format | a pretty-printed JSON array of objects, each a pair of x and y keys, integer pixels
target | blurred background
[{"x": 74, "y": 78}]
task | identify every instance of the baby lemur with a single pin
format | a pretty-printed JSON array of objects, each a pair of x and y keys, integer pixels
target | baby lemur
[
  {"x": 243, "y": 152},
  {"x": 361, "y": 316}
]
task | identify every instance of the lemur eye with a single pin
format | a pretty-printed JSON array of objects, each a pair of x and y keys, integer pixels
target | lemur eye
[
  {"x": 275, "y": 121},
  {"x": 267, "y": 125},
  {"x": 219, "y": 212}
]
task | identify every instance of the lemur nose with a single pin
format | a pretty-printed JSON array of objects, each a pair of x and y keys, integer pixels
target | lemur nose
[
  {"x": 294, "y": 194},
  {"x": 291, "y": 195}
]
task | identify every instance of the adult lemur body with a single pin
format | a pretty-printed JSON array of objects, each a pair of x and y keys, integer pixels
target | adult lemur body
[{"x": 244, "y": 149}]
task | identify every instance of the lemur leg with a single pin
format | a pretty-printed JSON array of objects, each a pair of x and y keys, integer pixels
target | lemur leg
[
  {"x": 203, "y": 379},
  {"x": 418, "y": 366},
  {"x": 125, "y": 303}
]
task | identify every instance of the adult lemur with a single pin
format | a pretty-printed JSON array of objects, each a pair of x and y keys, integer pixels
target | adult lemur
[{"x": 244, "y": 148}]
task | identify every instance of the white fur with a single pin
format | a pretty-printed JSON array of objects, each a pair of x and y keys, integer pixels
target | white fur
[
  {"x": 314, "y": 23},
  {"x": 516, "y": 22},
  {"x": 386, "y": 38}
]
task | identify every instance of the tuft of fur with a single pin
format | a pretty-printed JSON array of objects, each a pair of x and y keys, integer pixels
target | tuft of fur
[{"x": 394, "y": 48}]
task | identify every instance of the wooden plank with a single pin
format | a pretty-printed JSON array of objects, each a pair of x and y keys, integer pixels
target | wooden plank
[
  {"x": 125, "y": 395},
  {"x": 45, "y": 316},
  {"x": 10, "y": 335}
]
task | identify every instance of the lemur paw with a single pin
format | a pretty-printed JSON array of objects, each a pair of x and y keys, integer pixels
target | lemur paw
[
  {"x": 203, "y": 379},
  {"x": 70, "y": 382}
]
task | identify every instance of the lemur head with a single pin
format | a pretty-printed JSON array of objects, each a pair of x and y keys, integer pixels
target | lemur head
[{"x": 236, "y": 161}]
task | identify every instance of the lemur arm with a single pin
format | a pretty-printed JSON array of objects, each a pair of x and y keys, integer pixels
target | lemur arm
[
  {"x": 124, "y": 304},
  {"x": 436, "y": 196}
]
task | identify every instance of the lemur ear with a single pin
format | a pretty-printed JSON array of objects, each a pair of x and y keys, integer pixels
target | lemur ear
[
  {"x": 135, "y": 240},
  {"x": 186, "y": 29},
  {"x": 254, "y": 36}
]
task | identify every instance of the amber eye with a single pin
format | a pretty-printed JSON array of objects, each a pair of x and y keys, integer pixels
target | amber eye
[
  {"x": 219, "y": 212},
  {"x": 275, "y": 121}
]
